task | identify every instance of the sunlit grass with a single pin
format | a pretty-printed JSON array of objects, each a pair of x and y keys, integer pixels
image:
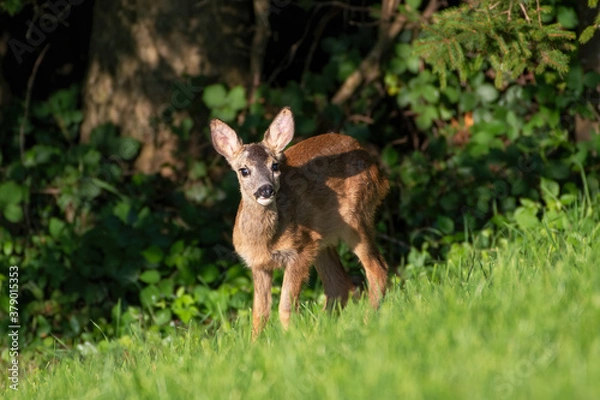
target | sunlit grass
[{"x": 519, "y": 321}]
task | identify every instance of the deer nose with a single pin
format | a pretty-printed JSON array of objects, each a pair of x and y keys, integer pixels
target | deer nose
[{"x": 265, "y": 191}]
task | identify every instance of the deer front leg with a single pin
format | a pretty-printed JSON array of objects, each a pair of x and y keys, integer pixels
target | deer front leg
[
  {"x": 261, "y": 307},
  {"x": 293, "y": 277}
]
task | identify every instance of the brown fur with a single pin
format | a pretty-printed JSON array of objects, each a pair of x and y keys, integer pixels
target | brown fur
[{"x": 327, "y": 190}]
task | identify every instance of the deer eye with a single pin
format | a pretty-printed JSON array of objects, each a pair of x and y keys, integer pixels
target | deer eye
[
  {"x": 275, "y": 167},
  {"x": 244, "y": 171}
]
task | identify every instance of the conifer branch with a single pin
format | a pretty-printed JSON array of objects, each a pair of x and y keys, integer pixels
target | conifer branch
[{"x": 508, "y": 38}]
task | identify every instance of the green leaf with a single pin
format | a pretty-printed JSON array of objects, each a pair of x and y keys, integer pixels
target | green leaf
[
  {"x": 484, "y": 132},
  {"x": 40, "y": 154},
  {"x": 425, "y": 117},
  {"x": 12, "y": 6},
  {"x": 186, "y": 125},
  {"x": 468, "y": 101},
  {"x": 91, "y": 158},
  {"x": 13, "y": 213},
  {"x": 74, "y": 324},
  {"x": 403, "y": 98},
  {"x": 56, "y": 227},
  {"x": 591, "y": 79},
  {"x": 413, "y": 64},
  {"x": 149, "y": 296},
  {"x": 10, "y": 193},
  {"x": 184, "y": 308},
  {"x": 89, "y": 189},
  {"x": 166, "y": 287},
  {"x": 346, "y": 68},
  {"x": 162, "y": 317},
  {"x": 526, "y": 218},
  {"x": 550, "y": 187},
  {"x": 128, "y": 148},
  {"x": 153, "y": 254},
  {"x": 568, "y": 199},
  {"x": 575, "y": 78},
  {"x": 389, "y": 156},
  {"x": 177, "y": 247},
  {"x": 413, "y": 4},
  {"x": 430, "y": 93},
  {"x": 215, "y": 96},
  {"x": 550, "y": 192},
  {"x": 7, "y": 248},
  {"x": 152, "y": 276},
  {"x": 445, "y": 224},
  {"x": 225, "y": 114},
  {"x": 451, "y": 93},
  {"x": 198, "y": 170},
  {"x": 514, "y": 125},
  {"x": 403, "y": 50},
  {"x": 487, "y": 93},
  {"x": 106, "y": 186},
  {"x": 209, "y": 274},
  {"x": 305, "y": 126},
  {"x": 477, "y": 150},
  {"x": 236, "y": 99},
  {"x": 124, "y": 212},
  {"x": 567, "y": 17}
]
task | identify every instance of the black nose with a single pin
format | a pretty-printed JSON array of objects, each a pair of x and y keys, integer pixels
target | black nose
[{"x": 265, "y": 191}]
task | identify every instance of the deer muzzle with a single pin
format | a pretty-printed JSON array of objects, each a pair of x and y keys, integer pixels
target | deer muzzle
[{"x": 265, "y": 195}]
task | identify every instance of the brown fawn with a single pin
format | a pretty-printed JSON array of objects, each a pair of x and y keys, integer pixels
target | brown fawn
[{"x": 296, "y": 206}]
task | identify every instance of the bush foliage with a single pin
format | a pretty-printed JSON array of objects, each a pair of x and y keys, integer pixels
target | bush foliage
[{"x": 471, "y": 142}]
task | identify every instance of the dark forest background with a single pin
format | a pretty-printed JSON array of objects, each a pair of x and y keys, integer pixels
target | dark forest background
[{"x": 118, "y": 211}]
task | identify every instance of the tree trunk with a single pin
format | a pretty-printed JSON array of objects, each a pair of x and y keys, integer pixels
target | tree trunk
[{"x": 140, "y": 53}]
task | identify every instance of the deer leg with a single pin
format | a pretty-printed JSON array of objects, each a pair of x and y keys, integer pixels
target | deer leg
[
  {"x": 375, "y": 266},
  {"x": 336, "y": 282},
  {"x": 262, "y": 299},
  {"x": 295, "y": 274}
]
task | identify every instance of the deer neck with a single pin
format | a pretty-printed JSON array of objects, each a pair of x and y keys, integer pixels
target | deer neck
[
  {"x": 254, "y": 231},
  {"x": 258, "y": 222}
]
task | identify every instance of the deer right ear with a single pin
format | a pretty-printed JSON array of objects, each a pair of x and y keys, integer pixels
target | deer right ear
[{"x": 224, "y": 139}]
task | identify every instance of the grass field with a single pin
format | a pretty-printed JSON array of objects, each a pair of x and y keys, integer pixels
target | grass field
[{"x": 519, "y": 321}]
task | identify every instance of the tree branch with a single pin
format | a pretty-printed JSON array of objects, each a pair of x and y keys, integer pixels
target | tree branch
[
  {"x": 30, "y": 82},
  {"x": 316, "y": 41},
  {"x": 389, "y": 28},
  {"x": 27, "y": 105}
]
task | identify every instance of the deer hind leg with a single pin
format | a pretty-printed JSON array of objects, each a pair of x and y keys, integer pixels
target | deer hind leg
[
  {"x": 336, "y": 282},
  {"x": 362, "y": 242}
]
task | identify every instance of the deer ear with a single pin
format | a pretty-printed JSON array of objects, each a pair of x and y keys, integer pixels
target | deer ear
[
  {"x": 280, "y": 132},
  {"x": 224, "y": 139}
]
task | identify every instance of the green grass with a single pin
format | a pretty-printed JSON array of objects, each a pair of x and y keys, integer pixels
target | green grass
[{"x": 519, "y": 321}]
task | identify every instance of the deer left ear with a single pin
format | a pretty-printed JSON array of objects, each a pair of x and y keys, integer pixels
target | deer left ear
[{"x": 280, "y": 132}]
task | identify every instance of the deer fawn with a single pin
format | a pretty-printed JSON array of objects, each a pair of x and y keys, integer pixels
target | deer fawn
[{"x": 296, "y": 206}]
